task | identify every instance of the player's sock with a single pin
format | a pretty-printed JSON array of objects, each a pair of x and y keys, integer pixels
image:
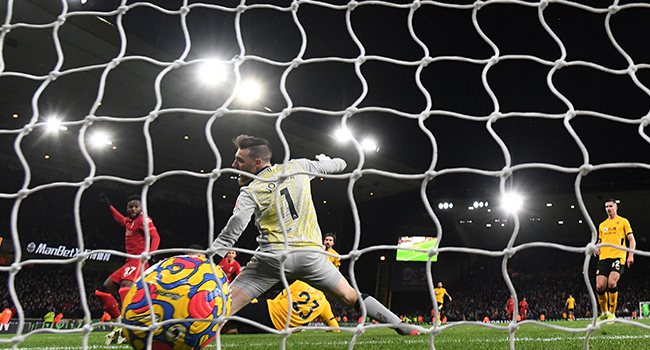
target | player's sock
[
  {"x": 613, "y": 299},
  {"x": 379, "y": 312},
  {"x": 602, "y": 300},
  {"x": 109, "y": 303}
]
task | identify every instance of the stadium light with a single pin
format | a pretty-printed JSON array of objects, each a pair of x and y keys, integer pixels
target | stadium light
[
  {"x": 343, "y": 135},
  {"x": 512, "y": 202},
  {"x": 100, "y": 139},
  {"x": 54, "y": 125},
  {"x": 369, "y": 145},
  {"x": 249, "y": 91},
  {"x": 212, "y": 73}
]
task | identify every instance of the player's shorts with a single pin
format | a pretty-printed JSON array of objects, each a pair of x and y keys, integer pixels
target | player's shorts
[
  {"x": 262, "y": 272},
  {"x": 606, "y": 266},
  {"x": 130, "y": 271},
  {"x": 258, "y": 312},
  {"x": 440, "y": 306}
]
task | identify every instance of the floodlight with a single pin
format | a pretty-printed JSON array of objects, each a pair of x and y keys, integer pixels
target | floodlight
[
  {"x": 343, "y": 134},
  {"x": 100, "y": 139},
  {"x": 54, "y": 125},
  {"x": 440, "y": 205},
  {"x": 369, "y": 145},
  {"x": 512, "y": 202},
  {"x": 212, "y": 73},
  {"x": 475, "y": 204},
  {"x": 249, "y": 91}
]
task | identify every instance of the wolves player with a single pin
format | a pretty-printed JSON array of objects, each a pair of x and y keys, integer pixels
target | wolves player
[
  {"x": 296, "y": 210},
  {"x": 134, "y": 238},
  {"x": 328, "y": 242},
  {"x": 308, "y": 304},
  {"x": 611, "y": 261}
]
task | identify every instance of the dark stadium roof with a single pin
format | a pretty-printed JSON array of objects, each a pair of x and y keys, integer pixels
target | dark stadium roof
[{"x": 324, "y": 90}]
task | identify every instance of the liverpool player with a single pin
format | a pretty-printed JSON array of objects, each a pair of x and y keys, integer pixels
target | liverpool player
[
  {"x": 230, "y": 266},
  {"x": 122, "y": 279}
]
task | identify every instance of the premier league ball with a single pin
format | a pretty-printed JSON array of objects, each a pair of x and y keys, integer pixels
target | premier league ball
[{"x": 181, "y": 287}]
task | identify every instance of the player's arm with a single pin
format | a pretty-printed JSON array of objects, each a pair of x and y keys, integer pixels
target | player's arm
[
  {"x": 237, "y": 223},
  {"x": 630, "y": 255},
  {"x": 117, "y": 216},
  {"x": 448, "y": 296},
  {"x": 324, "y": 166},
  {"x": 328, "y": 317},
  {"x": 597, "y": 252}
]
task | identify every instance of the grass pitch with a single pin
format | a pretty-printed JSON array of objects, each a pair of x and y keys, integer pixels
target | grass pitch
[{"x": 631, "y": 335}]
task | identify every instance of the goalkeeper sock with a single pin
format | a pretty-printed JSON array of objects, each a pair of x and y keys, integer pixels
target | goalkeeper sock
[
  {"x": 379, "y": 312},
  {"x": 602, "y": 300},
  {"x": 613, "y": 299},
  {"x": 109, "y": 303}
]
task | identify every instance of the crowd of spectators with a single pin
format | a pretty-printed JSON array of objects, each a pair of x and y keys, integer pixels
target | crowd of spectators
[{"x": 44, "y": 289}]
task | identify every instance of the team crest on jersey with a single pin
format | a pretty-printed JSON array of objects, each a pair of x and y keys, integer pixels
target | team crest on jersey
[{"x": 605, "y": 229}]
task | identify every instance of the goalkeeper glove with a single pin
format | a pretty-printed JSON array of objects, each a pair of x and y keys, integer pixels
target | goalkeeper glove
[
  {"x": 322, "y": 157},
  {"x": 104, "y": 200}
]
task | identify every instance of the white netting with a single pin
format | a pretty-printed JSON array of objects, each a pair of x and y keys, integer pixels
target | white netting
[{"x": 425, "y": 71}]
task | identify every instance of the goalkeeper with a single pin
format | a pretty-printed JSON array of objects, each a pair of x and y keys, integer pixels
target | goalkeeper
[
  {"x": 286, "y": 208},
  {"x": 134, "y": 238},
  {"x": 308, "y": 303}
]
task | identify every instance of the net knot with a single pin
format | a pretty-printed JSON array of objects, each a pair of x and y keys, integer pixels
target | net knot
[
  {"x": 416, "y": 5},
  {"x": 60, "y": 20},
  {"x": 22, "y": 194},
  {"x": 560, "y": 63},
  {"x": 352, "y": 5},
  {"x": 632, "y": 69},
  {"x": 586, "y": 169},
  {"x": 432, "y": 252},
  {"x": 184, "y": 10},
  {"x": 149, "y": 180},
  {"x": 15, "y": 267},
  {"x": 613, "y": 9},
  {"x": 88, "y": 181},
  {"x": 53, "y": 75},
  {"x": 356, "y": 174},
  {"x": 543, "y": 4},
  {"x": 296, "y": 62},
  {"x": 590, "y": 249},
  {"x": 177, "y": 63},
  {"x": 645, "y": 120},
  {"x": 430, "y": 174},
  {"x": 479, "y": 5},
  {"x": 114, "y": 62},
  {"x": 122, "y": 9},
  {"x": 6, "y": 28}
]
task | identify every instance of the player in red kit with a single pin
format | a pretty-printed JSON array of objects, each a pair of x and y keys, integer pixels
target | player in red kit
[
  {"x": 523, "y": 309},
  {"x": 134, "y": 239},
  {"x": 230, "y": 266},
  {"x": 510, "y": 307}
]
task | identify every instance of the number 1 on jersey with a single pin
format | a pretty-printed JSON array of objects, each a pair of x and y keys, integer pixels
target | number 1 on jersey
[{"x": 292, "y": 208}]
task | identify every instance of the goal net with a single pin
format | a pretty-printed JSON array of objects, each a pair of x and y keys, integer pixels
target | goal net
[{"x": 445, "y": 102}]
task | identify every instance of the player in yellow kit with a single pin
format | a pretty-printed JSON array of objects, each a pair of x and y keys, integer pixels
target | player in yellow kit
[
  {"x": 328, "y": 241},
  {"x": 612, "y": 261},
  {"x": 571, "y": 304},
  {"x": 308, "y": 303},
  {"x": 440, "y": 293}
]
